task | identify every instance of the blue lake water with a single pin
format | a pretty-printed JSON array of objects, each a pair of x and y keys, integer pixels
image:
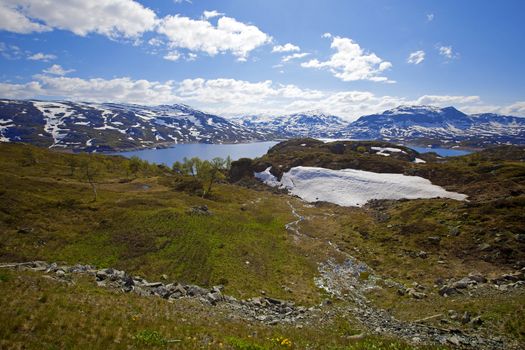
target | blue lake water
[
  {"x": 236, "y": 151},
  {"x": 444, "y": 152},
  {"x": 203, "y": 151}
]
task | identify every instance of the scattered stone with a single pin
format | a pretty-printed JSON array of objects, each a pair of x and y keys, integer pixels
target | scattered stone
[
  {"x": 435, "y": 240},
  {"x": 199, "y": 210},
  {"x": 454, "y": 340},
  {"x": 447, "y": 291},
  {"x": 465, "y": 318},
  {"x": 477, "y": 321},
  {"x": 484, "y": 246},
  {"x": 454, "y": 231}
]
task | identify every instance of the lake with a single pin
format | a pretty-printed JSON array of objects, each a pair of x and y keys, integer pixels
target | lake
[
  {"x": 444, "y": 152},
  {"x": 202, "y": 150},
  {"x": 235, "y": 151}
]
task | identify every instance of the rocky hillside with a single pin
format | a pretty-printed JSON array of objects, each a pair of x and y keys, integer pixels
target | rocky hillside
[
  {"x": 440, "y": 126},
  {"x": 306, "y": 124},
  {"x": 92, "y": 127}
]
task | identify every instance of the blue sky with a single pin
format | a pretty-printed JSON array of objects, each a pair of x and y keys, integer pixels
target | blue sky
[{"x": 241, "y": 57}]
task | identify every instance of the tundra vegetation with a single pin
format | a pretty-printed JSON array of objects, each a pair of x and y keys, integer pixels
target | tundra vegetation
[{"x": 190, "y": 224}]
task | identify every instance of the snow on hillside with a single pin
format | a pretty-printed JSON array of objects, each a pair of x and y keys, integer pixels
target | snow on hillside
[{"x": 350, "y": 187}]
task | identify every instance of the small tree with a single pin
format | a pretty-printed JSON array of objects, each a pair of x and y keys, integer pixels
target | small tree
[
  {"x": 210, "y": 172},
  {"x": 91, "y": 171},
  {"x": 134, "y": 164},
  {"x": 72, "y": 162}
]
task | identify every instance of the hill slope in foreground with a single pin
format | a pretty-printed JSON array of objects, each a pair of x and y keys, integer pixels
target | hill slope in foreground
[{"x": 394, "y": 274}]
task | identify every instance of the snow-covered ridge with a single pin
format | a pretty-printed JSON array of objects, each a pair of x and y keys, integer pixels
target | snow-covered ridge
[
  {"x": 350, "y": 187},
  {"x": 114, "y": 126}
]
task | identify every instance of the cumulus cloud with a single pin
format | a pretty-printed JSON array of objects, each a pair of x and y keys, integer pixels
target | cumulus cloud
[
  {"x": 228, "y": 35},
  {"x": 97, "y": 90},
  {"x": 112, "y": 18},
  {"x": 57, "y": 69},
  {"x": 232, "y": 97},
  {"x": 211, "y": 14},
  {"x": 42, "y": 57},
  {"x": 172, "y": 56},
  {"x": 444, "y": 100},
  {"x": 430, "y": 17},
  {"x": 447, "y": 52},
  {"x": 416, "y": 57},
  {"x": 294, "y": 56},
  {"x": 288, "y": 47},
  {"x": 351, "y": 62}
]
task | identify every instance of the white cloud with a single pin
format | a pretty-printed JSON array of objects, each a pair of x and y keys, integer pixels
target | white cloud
[
  {"x": 97, "y": 90},
  {"x": 294, "y": 56},
  {"x": 326, "y": 35},
  {"x": 42, "y": 57},
  {"x": 172, "y": 56},
  {"x": 416, "y": 57},
  {"x": 112, "y": 18},
  {"x": 155, "y": 42},
  {"x": 200, "y": 35},
  {"x": 444, "y": 100},
  {"x": 12, "y": 20},
  {"x": 57, "y": 69},
  {"x": 351, "y": 62},
  {"x": 288, "y": 47},
  {"x": 517, "y": 109},
  {"x": 232, "y": 97},
  {"x": 10, "y": 52},
  {"x": 430, "y": 17},
  {"x": 191, "y": 56},
  {"x": 211, "y": 14},
  {"x": 447, "y": 52}
]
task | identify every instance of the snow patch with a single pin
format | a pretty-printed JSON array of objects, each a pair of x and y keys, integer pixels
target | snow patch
[
  {"x": 350, "y": 187},
  {"x": 417, "y": 160}
]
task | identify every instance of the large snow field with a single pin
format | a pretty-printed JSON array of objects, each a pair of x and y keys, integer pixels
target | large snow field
[{"x": 350, "y": 187}]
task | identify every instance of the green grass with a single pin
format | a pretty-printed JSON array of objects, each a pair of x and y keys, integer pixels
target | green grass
[{"x": 47, "y": 212}]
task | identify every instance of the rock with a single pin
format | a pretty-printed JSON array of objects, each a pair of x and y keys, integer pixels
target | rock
[
  {"x": 477, "y": 277},
  {"x": 415, "y": 294},
  {"x": 162, "y": 291},
  {"x": 401, "y": 291},
  {"x": 462, "y": 283},
  {"x": 435, "y": 240},
  {"x": 194, "y": 291},
  {"x": 60, "y": 273},
  {"x": 152, "y": 284},
  {"x": 164, "y": 277},
  {"x": 422, "y": 254},
  {"x": 465, "y": 318},
  {"x": 215, "y": 297},
  {"x": 25, "y": 230},
  {"x": 199, "y": 210},
  {"x": 477, "y": 321},
  {"x": 274, "y": 301},
  {"x": 454, "y": 340},
  {"x": 484, "y": 246},
  {"x": 447, "y": 291},
  {"x": 101, "y": 275},
  {"x": 454, "y": 231},
  {"x": 176, "y": 291}
]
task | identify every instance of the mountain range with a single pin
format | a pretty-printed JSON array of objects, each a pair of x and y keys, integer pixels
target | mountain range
[{"x": 90, "y": 126}]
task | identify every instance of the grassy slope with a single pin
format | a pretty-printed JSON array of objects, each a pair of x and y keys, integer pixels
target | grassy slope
[{"x": 147, "y": 231}]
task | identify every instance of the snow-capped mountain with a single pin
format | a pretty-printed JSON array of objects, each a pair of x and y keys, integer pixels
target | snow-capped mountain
[
  {"x": 443, "y": 125},
  {"x": 306, "y": 124},
  {"x": 111, "y": 126}
]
